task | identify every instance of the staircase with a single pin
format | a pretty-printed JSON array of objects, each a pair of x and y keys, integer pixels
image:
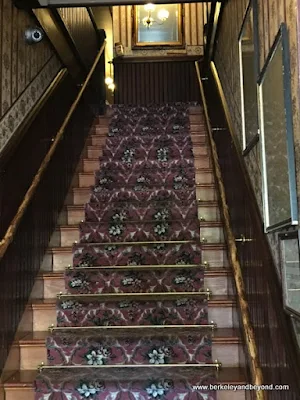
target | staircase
[{"x": 146, "y": 306}]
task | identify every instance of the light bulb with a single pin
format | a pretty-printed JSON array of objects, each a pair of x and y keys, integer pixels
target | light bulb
[
  {"x": 112, "y": 87},
  {"x": 163, "y": 14},
  {"x": 149, "y": 7},
  {"x": 109, "y": 80}
]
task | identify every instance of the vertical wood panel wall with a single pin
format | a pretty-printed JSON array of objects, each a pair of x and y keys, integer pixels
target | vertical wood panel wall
[
  {"x": 271, "y": 14},
  {"x": 80, "y": 27},
  {"x": 195, "y": 18},
  {"x": 142, "y": 81}
]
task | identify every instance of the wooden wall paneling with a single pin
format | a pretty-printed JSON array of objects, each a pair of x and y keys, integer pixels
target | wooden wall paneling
[{"x": 145, "y": 81}]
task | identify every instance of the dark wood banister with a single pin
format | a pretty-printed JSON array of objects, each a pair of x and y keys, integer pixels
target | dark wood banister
[
  {"x": 256, "y": 371},
  {"x": 9, "y": 235}
]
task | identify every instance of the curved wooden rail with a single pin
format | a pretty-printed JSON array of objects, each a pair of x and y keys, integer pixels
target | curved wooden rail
[
  {"x": 10, "y": 233},
  {"x": 256, "y": 371}
]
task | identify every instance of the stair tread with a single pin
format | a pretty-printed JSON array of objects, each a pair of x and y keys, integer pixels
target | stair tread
[
  {"x": 67, "y": 249},
  {"x": 211, "y": 273},
  {"x": 203, "y": 224},
  {"x": 214, "y": 300},
  {"x": 81, "y": 207},
  {"x": 88, "y": 188},
  {"x": 92, "y": 173},
  {"x": 94, "y": 159},
  {"x": 219, "y": 334},
  {"x": 25, "y": 378}
]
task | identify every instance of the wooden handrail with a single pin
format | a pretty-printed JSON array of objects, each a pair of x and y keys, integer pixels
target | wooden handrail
[
  {"x": 256, "y": 371},
  {"x": 10, "y": 233}
]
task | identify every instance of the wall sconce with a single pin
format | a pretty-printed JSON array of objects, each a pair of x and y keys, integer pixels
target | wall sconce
[
  {"x": 162, "y": 15},
  {"x": 109, "y": 80}
]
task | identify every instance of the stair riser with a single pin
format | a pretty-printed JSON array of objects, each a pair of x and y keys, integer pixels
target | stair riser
[
  {"x": 88, "y": 179},
  {"x": 202, "y": 177},
  {"x": 72, "y": 217},
  {"x": 75, "y": 216},
  {"x": 211, "y": 234},
  {"x": 94, "y": 165},
  {"x": 198, "y": 137},
  {"x": 49, "y": 287},
  {"x": 43, "y": 317},
  {"x": 215, "y": 258},
  {"x": 94, "y": 152},
  {"x": 22, "y": 393},
  {"x": 137, "y": 232},
  {"x": 206, "y": 194},
  {"x": 31, "y": 355},
  {"x": 96, "y": 140},
  {"x": 209, "y": 213},
  {"x": 101, "y": 130},
  {"x": 200, "y": 151},
  {"x": 82, "y": 196},
  {"x": 60, "y": 260}
]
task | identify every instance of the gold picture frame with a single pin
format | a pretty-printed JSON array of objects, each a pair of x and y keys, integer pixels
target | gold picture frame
[{"x": 140, "y": 31}]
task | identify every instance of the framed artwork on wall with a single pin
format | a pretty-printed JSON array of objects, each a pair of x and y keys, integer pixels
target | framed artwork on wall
[
  {"x": 277, "y": 139},
  {"x": 157, "y": 25}
]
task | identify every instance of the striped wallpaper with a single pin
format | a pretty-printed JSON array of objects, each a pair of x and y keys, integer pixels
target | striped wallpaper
[{"x": 194, "y": 20}]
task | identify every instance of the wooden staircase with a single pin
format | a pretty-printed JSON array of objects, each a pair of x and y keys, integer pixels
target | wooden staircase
[{"x": 28, "y": 350}]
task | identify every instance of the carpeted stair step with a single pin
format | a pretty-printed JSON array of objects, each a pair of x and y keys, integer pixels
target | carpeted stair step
[
  {"x": 100, "y": 211},
  {"x": 201, "y": 161},
  {"x": 198, "y": 138},
  {"x": 214, "y": 255},
  {"x": 88, "y": 179},
  {"x": 151, "y": 280},
  {"x": 19, "y": 385},
  {"x": 204, "y": 192},
  {"x": 221, "y": 310},
  {"x": 162, "y": 151},
  {"x": 183, "y": 347},
  {"x": 136, "y": 253},
  {"x": 83, "y": 195},
  {"x": 127, "y": 231},
  {"x": 63, "y": 344},
  {"x": 117, "y": 142},
  {"x": 154, "y": 199},
  {"x": 145, "y": 179},
  {"x": 96, "y": 151},
  {"x": 130, "y": 231},
  {"x": 178, "y": 308},
  {"x": 170, "y": 381},
  {"x": 47, "y": 285}
]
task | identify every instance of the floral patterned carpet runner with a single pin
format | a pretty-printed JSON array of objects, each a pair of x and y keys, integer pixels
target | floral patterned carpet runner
[{"x": 139, "y": 251}]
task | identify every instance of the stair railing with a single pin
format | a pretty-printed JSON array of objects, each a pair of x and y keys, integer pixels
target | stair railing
[
  {"x": 9, "y": 235},
  {"x": 270, "y": 350},
  {"x": 26, "y": 238},
  {"x": 256, "y": 371}
]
